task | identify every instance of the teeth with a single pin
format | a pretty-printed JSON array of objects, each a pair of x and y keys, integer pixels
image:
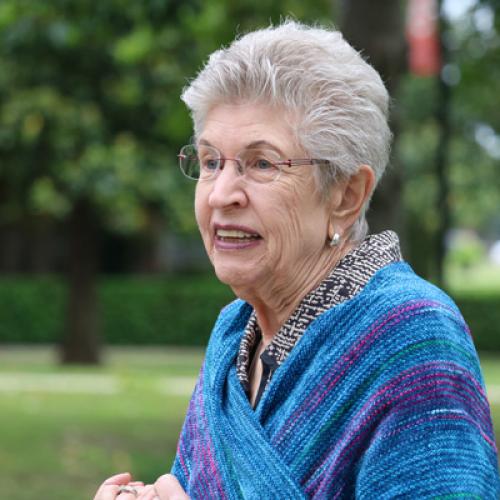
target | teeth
[{"x": 233, "y": 233}]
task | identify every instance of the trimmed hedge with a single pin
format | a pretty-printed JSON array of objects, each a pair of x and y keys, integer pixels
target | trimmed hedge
[
  {"x": 170, "y": 310},
  {"x": 133, "y": 310},
  {"x": 482, "y": 313},
  {"x": 166, "y": 310}
]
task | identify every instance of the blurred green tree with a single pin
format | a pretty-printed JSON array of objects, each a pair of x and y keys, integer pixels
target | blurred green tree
[
  {"x": 472, "y": 71},
  {"x": 90, "y": 120}
]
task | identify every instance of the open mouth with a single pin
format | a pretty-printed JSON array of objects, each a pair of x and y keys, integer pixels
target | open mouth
[
  {"x": 235, "y": 235},
  {"x": 232, "y": 235}
]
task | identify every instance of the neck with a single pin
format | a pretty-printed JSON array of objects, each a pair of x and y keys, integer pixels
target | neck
[{"x": 275, "y": 300}]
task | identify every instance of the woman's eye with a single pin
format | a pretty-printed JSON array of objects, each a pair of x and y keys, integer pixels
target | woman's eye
[
  {"x": 262, "y": 164},
  {"x": 210, "y": 164}
]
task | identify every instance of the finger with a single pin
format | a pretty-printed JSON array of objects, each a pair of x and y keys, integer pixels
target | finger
[
  {"x": 117, "y": 479},
  {"x": 130, "y": 491},
  {"x": 107, "y": 492},
  {"x": 121, "y": 478},
  {"x": 168, "y": 488},
  {"x": 127, "y": 495},
  {"x": 138, "y": 487},
  {"x": 147, "y": 493}
]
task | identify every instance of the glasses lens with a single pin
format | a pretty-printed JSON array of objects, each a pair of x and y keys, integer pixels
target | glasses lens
[
  {"x": 209, "y": 161},
  {"x": 188, "y": 161},
  {"x": 255, "y": 165},
  {"x": 260, "y": 165}
]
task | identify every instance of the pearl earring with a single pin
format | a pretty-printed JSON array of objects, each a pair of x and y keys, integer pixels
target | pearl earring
[{"x": 335, "y": 241}]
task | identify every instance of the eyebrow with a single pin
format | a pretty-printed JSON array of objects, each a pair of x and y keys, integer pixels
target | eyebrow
[{"x": 250, "y": 145}]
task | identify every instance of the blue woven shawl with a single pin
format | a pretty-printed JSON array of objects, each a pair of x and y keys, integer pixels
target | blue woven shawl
[{"x": 381, "y": 398}]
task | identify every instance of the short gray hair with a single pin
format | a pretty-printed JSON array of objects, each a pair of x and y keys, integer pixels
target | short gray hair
[{"x": 340, "y": 99}]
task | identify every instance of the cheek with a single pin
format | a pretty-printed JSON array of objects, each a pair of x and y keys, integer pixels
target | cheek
[
  {"x": 300, "y": 220},
  {"x": 201, "y": 211},
  {"x": 287, "y": 224},
  {"x": 291, "y": 229}
]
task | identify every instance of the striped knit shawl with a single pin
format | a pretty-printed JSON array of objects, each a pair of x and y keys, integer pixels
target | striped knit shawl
[{"x": 381, "y": 398}]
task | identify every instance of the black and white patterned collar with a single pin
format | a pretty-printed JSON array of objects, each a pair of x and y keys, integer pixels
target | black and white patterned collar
[{"x": 345, "y": 281}]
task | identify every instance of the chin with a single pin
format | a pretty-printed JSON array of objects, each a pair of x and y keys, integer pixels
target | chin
[
  {"x": 238, "y": 270},
  {"x": 230, "y": 276},
  {"x": 236, "y": 277}
]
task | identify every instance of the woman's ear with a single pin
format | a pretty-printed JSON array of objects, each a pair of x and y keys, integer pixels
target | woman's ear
[{"x": 349, "y": 196}]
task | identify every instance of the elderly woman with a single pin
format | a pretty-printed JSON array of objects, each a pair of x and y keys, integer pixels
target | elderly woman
[{"x": 338, "y": 373}]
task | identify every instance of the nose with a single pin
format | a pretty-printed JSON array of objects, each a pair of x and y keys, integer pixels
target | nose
[{"x": 228, "y": 187}]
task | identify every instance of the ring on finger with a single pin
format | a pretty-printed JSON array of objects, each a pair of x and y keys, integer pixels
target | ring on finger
[{"x": 125, "y": 488}]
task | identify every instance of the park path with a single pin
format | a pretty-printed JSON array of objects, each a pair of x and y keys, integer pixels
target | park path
[{"x": 73, "y": 383}]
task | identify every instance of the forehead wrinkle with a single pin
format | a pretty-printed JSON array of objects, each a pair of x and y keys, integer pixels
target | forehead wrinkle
[{"x": 265, "y": 126}]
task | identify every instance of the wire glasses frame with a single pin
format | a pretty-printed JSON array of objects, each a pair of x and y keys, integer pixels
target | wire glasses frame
[{"x": 257, "y": 165}]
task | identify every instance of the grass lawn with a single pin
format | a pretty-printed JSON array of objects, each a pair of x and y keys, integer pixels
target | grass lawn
[{"x": 63, "y": 430}]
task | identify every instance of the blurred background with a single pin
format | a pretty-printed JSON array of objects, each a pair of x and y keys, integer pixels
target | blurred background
[{"x": 106, "y": 296}]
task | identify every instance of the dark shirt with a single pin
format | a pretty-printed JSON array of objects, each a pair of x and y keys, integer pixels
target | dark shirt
[{"x": 346, "y": 280}]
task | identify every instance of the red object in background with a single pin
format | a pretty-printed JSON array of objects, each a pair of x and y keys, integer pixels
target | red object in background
[{"x": 422, "y": 32}]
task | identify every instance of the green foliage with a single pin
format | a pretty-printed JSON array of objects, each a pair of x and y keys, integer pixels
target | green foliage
[
  {"x": 466, "y": 254},
  {"x": 162, "y": 310},
  {"x": 89, "y": 101},
  {"x": 173, "y": 310},
  {"x": 473, "y": 71},
  {"x": 88, "y": 108},
  {"x": 482, "y": 313},
  {"x": 31, "y": 310}
]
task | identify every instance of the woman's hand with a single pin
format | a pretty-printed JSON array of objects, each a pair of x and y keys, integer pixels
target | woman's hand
[
  {"x": 110, "y": 488},
  {"x": 166, "y": 487}
]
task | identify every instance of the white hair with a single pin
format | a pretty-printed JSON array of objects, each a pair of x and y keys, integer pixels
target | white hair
[{"x": 313, "y": 73}]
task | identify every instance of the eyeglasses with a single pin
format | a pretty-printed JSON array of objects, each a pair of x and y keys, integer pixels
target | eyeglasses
[{"x": 255, "y": 165}]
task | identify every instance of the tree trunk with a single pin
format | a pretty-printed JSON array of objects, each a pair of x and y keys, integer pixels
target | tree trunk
[
  {"x": 81, "y": 340},
  {"x": 378, "y": 30}
]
